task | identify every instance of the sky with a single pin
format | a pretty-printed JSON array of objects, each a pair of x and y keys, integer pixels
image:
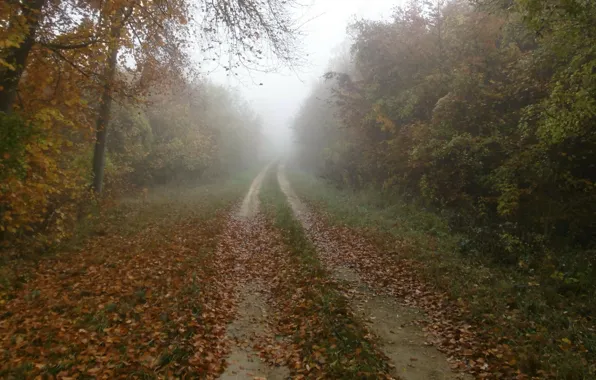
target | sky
[{"x": 278, "y": 100}]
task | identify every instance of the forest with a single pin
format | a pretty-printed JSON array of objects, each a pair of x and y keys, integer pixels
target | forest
[
  {"x": 106, "y": 97},
  {"x": 481, "y": 112},
  {"x": 432, "y": 218}
]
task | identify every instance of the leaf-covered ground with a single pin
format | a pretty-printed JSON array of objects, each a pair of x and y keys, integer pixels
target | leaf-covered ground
[
  {"x": 160, "y": 290},
  {"x": 310, "y": 331},
  {"x": 206, "y": 286},
  {"x": 139, "y": 299},
  {"x": 139, "y": 305},
  {"x": 368, "y": 272},
  {"x": 327, "y": 340},
  {"x": 345, "y": 248}
]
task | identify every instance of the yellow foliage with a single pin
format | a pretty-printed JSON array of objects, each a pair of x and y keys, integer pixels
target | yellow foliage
[{"x": 386, "y": 123}]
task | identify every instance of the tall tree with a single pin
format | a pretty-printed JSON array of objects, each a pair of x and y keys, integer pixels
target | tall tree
[
  {"x": 21, "y": 21},
  {"x": 119, "y": 19}
]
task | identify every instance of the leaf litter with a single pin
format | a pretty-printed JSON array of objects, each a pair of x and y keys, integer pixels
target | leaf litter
[
  {"x": 327, "y": 338},
  {"x": 163, "y": 302},
  {"x": 250, "y": 259},
  {"x": 280, "y": 328},
  {"x": 177, "y": 301},
  {"x": 389, "y": 292},
  {"x": 443, "y": 320},
  {"x": 150, "y": 304}
]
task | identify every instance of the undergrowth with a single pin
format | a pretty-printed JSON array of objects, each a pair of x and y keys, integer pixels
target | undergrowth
[
  {"x": 330, "y": 338},
  {"x": 163, "y": 207},
  {"x": 539, "y": 312}
]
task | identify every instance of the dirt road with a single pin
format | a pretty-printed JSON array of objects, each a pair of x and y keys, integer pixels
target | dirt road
[
  {"x": 248, "y": 249},
  {"x": 233, "y": 292},
  {"x": 403, "y": 342},
  {"x": 250, "y": 254}
]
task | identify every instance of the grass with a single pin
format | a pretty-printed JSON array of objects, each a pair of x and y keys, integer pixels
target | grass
[
  {"x": 165, "y": 207},
  {"x": 152, "y": 262},
  {"x": 549, "y": 327},
  {"x": 330, "y": 337}
]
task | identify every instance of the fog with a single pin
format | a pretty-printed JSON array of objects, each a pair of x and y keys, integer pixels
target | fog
[
  {"x": 197, "y": 180},
  {"x": 276, "y": 96}
]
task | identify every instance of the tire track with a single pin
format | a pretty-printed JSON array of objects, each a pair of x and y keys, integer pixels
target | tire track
[
  {"x": 400, "y": 339},
  {"x": 250, "y": 204},
  {"x": 249, "y": 254}
]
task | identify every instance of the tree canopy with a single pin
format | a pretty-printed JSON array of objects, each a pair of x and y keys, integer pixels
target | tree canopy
[
  {"x": 483, "y": 111},
  {"x": 125, "y": 76}
]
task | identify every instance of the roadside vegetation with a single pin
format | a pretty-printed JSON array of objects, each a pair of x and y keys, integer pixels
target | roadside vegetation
[
  {"x": 104, "y": 99},
  {"x": 467, "y": 128},
  {"x": 331, "y": 342},
  {"x": 548, "y": 331}
]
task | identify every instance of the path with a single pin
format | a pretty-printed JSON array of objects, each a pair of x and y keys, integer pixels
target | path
[
  {"x": 249, "y": 250},
  {"x": 250, "y": 204},
  {"x": 401, "y": 340}
]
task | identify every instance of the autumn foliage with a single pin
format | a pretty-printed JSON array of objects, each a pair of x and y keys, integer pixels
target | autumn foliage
[
  {"x": 482, "y": 113},
  {"x": 106, "y": 96}
]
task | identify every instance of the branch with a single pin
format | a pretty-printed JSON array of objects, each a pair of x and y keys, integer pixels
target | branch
[
  {"x": 54, "y": 46},
  {"x": 74, "y": 65}
]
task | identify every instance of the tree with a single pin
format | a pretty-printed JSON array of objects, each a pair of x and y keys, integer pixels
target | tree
[
  {"x": 487, "y": 116},
  {"x": 17, "y": 42},
  {"x": 141, "y": 34},
  {"x": 119, "y": 19}
]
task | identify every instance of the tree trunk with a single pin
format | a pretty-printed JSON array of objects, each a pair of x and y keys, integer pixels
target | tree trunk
[
  {"x": 17, "y": 56},
  {"x": 105, "y": 106}
]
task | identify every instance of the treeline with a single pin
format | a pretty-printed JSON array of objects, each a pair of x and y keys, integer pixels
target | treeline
[
  {"x": 191, "y": 132},
  {"x": 483, "y": 112},
  {"x": 105, "y": 96}
]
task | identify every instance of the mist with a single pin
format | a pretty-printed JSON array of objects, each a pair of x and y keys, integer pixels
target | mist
[
  {"x": 277, "y": 95},
  {"x": 270, "y": 189}
]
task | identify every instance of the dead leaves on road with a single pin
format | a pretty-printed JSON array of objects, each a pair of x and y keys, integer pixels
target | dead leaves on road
[
  {"x": 310, "y": 329},
  {"x": 445, "y": 324},
  {"x": 327, "y": 339},
  {"x": 157, "y": 304}
]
